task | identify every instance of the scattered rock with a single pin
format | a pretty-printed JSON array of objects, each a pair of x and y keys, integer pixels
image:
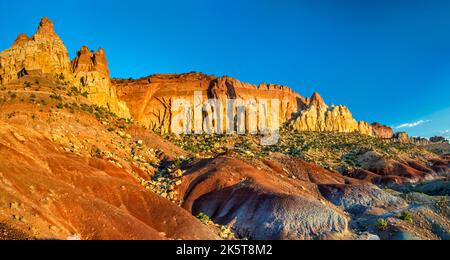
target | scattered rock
[{"x": 19, "y": 137}]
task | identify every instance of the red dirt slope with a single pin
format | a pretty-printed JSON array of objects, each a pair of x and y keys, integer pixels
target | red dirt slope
[{"x": 47, "y": 193}]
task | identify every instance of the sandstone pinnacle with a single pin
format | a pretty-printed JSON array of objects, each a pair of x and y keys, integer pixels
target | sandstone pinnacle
[
  {"x": 317, "y": 100},
  {"x": 46, "y": 27},
  {"x": 43, "y": 53},
  {"x": 87, "y": 61}
]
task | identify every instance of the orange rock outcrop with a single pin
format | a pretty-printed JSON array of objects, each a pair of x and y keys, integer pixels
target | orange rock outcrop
[
  {"x": 44, "y": 52},
  {"x": 91, "y": 73}
]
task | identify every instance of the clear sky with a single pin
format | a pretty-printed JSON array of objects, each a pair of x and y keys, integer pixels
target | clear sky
[{"x": 387, "y": 60}]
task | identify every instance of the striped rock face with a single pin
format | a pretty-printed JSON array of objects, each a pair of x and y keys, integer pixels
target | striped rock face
[{"x": 150, "y": 101}]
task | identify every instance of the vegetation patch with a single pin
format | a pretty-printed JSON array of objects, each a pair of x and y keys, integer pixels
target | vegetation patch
[
  {"x": 223, "y": 231},
  {"x": 382, "y": 224},
  {"x": 331, "y": 150},
  {"x": 407, "y": 216}
]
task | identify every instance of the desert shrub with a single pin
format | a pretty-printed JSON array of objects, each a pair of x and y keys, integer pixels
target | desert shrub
[
  {"x": 56, "y": 96},
  {"x": 382, "y": 224},
  {"x": 205, "y": 219},
  {"x": 407, "y": 216},
  {"x": 74, "y": 91},
  {"x": 223, "y": 231},
  {"x": 96, "y": 152}
]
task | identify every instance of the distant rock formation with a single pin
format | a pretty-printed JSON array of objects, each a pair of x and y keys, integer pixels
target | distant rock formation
[
  {"x": 44, "y": 52},
  {"x": 402, "y": 137},
  {"x": 438, "y": 139},
  {"x": 320, "y": 117},
  {"x": 382, "y": 131},
  {"x": 419, "y": 140}
]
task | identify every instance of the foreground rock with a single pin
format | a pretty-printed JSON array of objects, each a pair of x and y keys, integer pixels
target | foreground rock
[{"x": 361, "y": 198}]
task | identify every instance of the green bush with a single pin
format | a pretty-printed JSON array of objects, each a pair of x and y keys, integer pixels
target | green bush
[
  {"x": 56, "y": 96},
  {"x": 205, "y": 219},
  {"x": 407, "y": 216},
  {"x": 382, "y": 224}
]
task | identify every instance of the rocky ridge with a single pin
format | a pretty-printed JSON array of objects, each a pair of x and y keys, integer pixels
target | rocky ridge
[{"x": 149, "y": 100}]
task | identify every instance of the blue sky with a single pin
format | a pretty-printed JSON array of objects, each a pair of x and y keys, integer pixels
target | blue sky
[{"x": 388, "y": 61}]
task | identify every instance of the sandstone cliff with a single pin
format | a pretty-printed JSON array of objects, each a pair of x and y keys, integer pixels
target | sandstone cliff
[
  {"x": 150, "y": 99},
  {"x": 91, "y": 74},
  {"x": 320, "y": 117},
  {"x": 44, "y": 52}
]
